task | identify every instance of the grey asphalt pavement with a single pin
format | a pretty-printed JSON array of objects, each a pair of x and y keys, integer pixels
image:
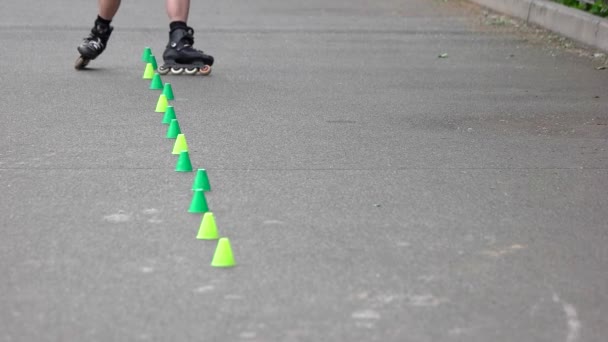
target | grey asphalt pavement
[{"x": 371, "y": 190}]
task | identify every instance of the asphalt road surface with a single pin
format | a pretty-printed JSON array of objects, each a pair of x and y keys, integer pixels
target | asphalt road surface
[{"x": 371, "y": 190}]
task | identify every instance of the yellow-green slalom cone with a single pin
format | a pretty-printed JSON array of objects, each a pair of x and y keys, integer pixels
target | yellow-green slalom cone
[
  {"x": 168, "y": 91},
  {"x": 184, "y": 164},
  {"x": 169, "y": 115},
  {"x": 161, "y": 104},
  {"x": 148, "y": 72},
  {"x": 199, "y": 202},
  {"x": 173, "y": 131},
  {"x": 201, "y": 181},
  {"x": 208, "y": 228},
  {"x": 146, "y": 54},
  {"x": 156, "y": 82},
  {"x": 180, "y": 144},
  {"x": 223, "y": 254},
  {"x": 152, "y": 59}
]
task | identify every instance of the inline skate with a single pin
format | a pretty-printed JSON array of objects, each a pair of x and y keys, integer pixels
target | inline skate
[
  {"x": 181, "y": 57},
  {"x": 93, "y": 45}
]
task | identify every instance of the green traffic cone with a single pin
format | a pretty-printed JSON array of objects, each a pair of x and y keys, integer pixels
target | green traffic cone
[
  {"x": 156, "y": 83},
  {"x": 173, "y": 129},
  {"x": 168, "y": 91},
  {"x": 152, "y": 60},
  {"x": 199, "y": 202},
  {"x": 201, "y": 181},
  {"x": 223, "y": 254},
  {"x": 208, "y": 229},
  {"x": 146, "y": 54},
  {"x": 148, "y": 72},
  {"x": 180, "y": 144},
  {"x": 169, "y": 115},
  {"x": 184, "y": 164},
  {"x": 161, "y": 104}
]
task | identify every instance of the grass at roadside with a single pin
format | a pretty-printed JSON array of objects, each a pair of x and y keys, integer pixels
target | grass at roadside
[{"x": 596, "y": 7}]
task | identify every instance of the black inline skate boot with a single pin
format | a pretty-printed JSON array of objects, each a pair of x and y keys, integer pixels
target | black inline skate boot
[
  {"x": 181, "y": 57},
  {"x": 93, "y": 45}
]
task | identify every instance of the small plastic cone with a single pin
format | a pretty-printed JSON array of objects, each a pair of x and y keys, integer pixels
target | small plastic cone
[
  {"x": 180, "y": 144},
  {"x": 156, "y": 83},
  {"x": 161, "y": 104},
  {"x": 148, "y": 72},
  {"x": 201, "y": 181},
  {"x": 152, "y": 60},
  {"x": 168, "y": 91},
  {"x": 146, "y": 54},
  {"x": 173, "y": 131},
  {"x": 184, "y": 164},
  {"x": 208, "y": 229},
  {"x": 223, "y": 254},
  {"x": 199, "y": 202},
  {"x": 169, "y": 115}
]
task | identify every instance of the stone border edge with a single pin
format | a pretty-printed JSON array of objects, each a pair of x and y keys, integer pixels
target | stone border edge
[{"x": 572, "y": 23}]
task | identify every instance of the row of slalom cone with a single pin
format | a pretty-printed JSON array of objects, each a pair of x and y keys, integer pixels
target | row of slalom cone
[{"x": 223, "y": 256}]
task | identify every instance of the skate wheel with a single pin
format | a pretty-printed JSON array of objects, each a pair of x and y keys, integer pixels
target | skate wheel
[
  {"x": 206, "y": 70},
  {"x": 190, "y": 71},
  {"x": 81, "y": 63},
  {"x": 177, "y": 71},
  {"x": 163, "y": 71}
]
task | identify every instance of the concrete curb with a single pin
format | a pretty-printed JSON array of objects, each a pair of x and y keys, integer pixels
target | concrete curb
[{"x": 572, "y": 23}]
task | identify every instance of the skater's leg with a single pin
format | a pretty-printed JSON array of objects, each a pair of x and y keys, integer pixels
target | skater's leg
[
  {"x": 93, "y": 45},
  {"x": 108, "y": 8},
  {"x": 177, "y": 10},
  {"x": 179, "y": 55},
  {"x": 107, "y": 11}
]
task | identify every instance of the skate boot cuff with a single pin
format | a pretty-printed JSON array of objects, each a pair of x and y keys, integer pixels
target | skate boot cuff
[
  {"x": 174, "y": 25},
  {"x": 180, "y": 38},
  {"x": 102, "y": 31}
]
